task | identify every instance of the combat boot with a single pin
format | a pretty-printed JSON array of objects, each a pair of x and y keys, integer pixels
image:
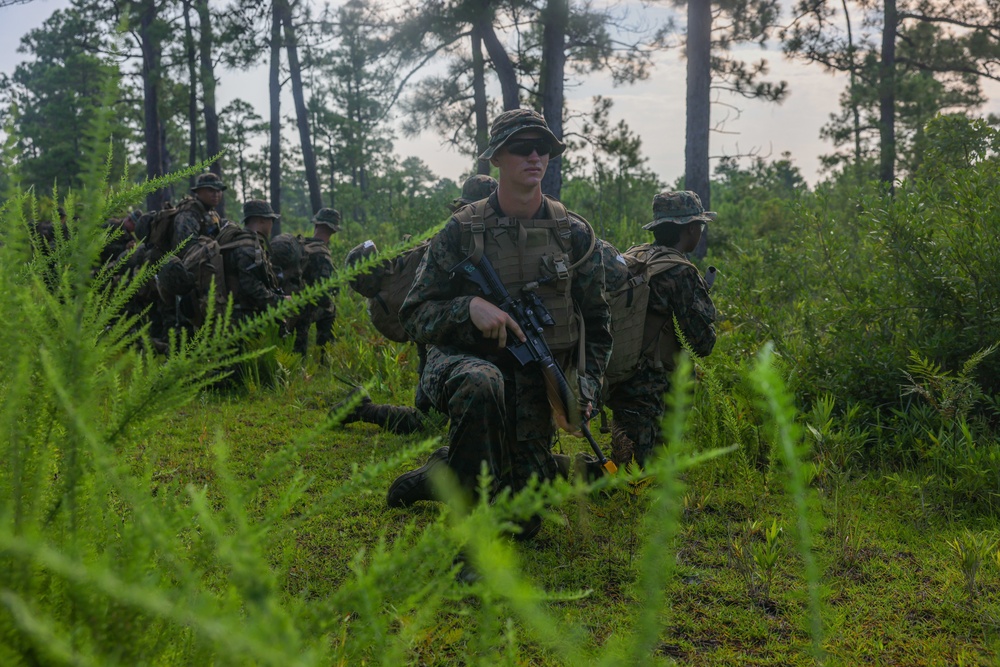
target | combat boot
[
  {"x": 564, "y": 464},
  {"x": 587, "y": 467},
  {"x": 415, "y": 485},
  {"x": 398, "y": 419},
  {"x": 622, "y": 447}
]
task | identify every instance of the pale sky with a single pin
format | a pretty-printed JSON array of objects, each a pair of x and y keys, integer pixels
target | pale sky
[{"x": 654, "y": 109}]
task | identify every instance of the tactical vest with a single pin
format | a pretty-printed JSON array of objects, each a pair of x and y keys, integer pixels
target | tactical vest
[
  {"x": 232, "y": 237},
  {"x": 534, "y": 254},
  {"x": 638, "y": 334}
]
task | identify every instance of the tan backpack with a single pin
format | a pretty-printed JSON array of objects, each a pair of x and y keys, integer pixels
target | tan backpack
[
  {"x": 396, "y": 283},
  {"x": 628, "y": 308},
  {"x": 161, "y": 226},
  {"x": 288, "y": 259},
  {"x": 203, "y": 259}
]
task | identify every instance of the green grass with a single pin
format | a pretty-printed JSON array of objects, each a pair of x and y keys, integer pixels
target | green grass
[{"x": 891, "y": 590}]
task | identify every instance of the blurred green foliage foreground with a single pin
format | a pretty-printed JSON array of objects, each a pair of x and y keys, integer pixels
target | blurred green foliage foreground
[{"x": 829, "y": 493}]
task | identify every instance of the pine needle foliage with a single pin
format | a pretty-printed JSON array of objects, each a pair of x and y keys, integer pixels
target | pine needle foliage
[{"x": 103, "y": 566}]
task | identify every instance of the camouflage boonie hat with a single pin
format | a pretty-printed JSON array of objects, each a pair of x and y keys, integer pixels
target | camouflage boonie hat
[
  {"x": 328, "y": 217},
  {"x": 208, "y": 180},
  {"x": 509, "y": 123},
  {"x": 479, "y": 186},
  {"x": 258, "y": 208},
  {"x": 679, "y": 208},
  {"x": 366, "y": 284}
]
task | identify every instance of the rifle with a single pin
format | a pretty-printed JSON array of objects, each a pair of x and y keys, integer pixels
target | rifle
[{"x": 532, "y": 316}]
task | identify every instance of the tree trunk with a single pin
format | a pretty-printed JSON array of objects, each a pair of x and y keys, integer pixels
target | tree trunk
[
  {"x": 333, "y": 174},
  {"x": 151, "y": 103},
  {"x": 501, "y": 63},
  {"x": 887, "y": 97},
  {"x": 192, "y": 91},
  {"x": 274, "y": 85},
  {"x": 479, "y": 101},
  {"x": 552, "y": 82},
  {"x": 212, "y": 142},
  {"x": 301, "y": 113},
  {"x": 699, "y": 79},
  {"x": 855, "y": 108},
  {"x": 243, "y": 172}
]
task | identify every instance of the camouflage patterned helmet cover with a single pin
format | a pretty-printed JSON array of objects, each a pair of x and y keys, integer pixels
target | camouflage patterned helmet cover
[
  {"x": 476, "y": 187},
  {"x": 208, "y": 180},
  {"x": 367, "y": 284},
  {"x": 258, "y": 208},
  {"x": 510, "y": 123},
  {"x": 328, "y": 217},
  {"x": 286, "y": 253},
  {"x": 680, "y": 208}
]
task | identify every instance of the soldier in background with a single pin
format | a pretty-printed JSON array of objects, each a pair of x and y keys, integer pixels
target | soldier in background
[
  {"x": 476, "y": 187},
  {"x": 678, "y": 292},
  {"x": 196, "y": 215},
  {"x": 250, "y": 278},
  {"x": 318, "y": 266},
  {"x": 401, "y": 419}
]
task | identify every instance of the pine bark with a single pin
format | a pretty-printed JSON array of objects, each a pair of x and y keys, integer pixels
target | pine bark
[
  {"x": 274, "y": 86},
  {"x": 887, "y": 97},
  {"x": 151, "y": 51},
  {"x": 503, "y": 66},
  {"x": 301, "y": 113},
  {"x": 205, "y": 43},
  {"x": 553, "y": 80},
  {"x": 192, "y": 90},
  {"x": 479, "y": 100},
  {"x": 698, "y": 104}
]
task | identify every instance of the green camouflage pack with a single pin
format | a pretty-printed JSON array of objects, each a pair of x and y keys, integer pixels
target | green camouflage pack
[{"x": 628, "y": 307}]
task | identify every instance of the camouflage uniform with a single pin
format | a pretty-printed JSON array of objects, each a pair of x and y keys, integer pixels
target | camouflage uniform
[
  {"x": 401, "y": 419},
  {"x": 499, "y": 412},
  {"x": 681, "y": 292},
  {"x": 318, "y": 267},
  {"x": 249, "y": 274},
  {"x": 193, "y": 217}
]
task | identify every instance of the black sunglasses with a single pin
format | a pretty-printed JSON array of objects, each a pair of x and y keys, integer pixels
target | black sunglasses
[{"x": 526, "y": 147}]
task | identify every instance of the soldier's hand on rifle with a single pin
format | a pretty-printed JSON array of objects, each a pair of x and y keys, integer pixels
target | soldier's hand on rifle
[
  {"x": 493, "y": 322},
  {"x": 564, "y": 423}
]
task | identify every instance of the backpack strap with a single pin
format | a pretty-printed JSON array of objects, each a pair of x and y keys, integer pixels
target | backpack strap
[
  {"x": 235, "y": 238},
  {"x": 472, "y": 220}
]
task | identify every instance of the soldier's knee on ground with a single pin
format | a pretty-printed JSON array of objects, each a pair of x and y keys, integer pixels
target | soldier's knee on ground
[{"x": 479, "y": 389}]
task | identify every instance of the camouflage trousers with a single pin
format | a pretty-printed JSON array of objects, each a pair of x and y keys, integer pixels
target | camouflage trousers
[
  {"x": 400, "y": 419},
  {"x": 638, "y": 408},
  {"x": 323, "y": 317},
  {"x": 499, "y": 416}
]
